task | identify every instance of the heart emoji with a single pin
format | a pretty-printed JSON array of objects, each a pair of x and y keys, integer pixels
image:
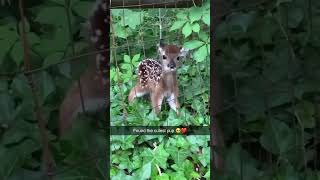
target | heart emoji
[{"x": 183, "y": 130}]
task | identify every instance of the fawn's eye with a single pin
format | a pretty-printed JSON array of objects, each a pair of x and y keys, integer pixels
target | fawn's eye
[
  {"x": 164, "y": 57},
  {"x": 178, "y": 58}
]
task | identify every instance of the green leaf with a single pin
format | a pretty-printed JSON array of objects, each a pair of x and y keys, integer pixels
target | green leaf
[
  {"x": 145, "y": 171},
  {"x": 201, "y": 54},
  {"x": 206, "y": 18},
  {"x": 304, "y": 113},
  {"x": 239, "y": 163},
  {"x": 195, "y": 14},
  {"x": 195, "y": 27},
  {"x": 8, "y": 37},
  {"x": 187, "y": 30},
  {"x": 295, "y": 16},
  {"x": 204, "y": 157},
  {"x": 17, "y": 53},
  {"x": 242, "y": 20},
  {"x": 52, "y": 15},
  {"x": 135, "y": 58},
  {"x": 21, "y": 87},
  {"x": 158, "y": 156},
  {"x": 193, "y": 44},
  {"x": 120, "y": 31},
  {"x": 46, "y": 85},
  {"x": 177, "y": 25},
  {"x": 163, "y": 176},
  {"x": 132, "y": 18},
  {"x": 178, "y": 155},
  {"x": 126, "y": 59},
  {"x": 277, "y": 137},
  {"x": 6, "y": 108},
  {"x": 53, "y": 59},
  {"x": 82, "y": 8},
  {"x": 182, "y": 15}
]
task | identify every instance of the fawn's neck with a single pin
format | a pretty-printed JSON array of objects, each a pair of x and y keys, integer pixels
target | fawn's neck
[{"x": 170, "y": 79}]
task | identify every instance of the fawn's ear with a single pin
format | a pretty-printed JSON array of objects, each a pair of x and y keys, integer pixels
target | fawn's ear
[
  {"x": 183, "y": 51},
  {"x": 161, "y": 46}
]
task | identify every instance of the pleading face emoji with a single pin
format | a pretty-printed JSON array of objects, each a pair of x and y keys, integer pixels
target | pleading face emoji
[{"x": 178, "y": 130}]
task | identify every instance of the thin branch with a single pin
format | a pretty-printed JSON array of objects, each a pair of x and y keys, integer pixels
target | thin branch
[{"x": 47, "y": 156}]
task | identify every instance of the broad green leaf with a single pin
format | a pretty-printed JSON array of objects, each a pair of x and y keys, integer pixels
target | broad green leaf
[
  {"x": 145, "y": 171},
  {"x": 204, "y": 157},
  {"x": 7, "y": 38},
  {"x": 158, "y": 156},
  {"x": 46, "y": 85},
  {"x": 126, "y": 141},
  {"x": 295, "y": 16},
  {"x": 163, "y": 177},
  {"x": 53, "y": 59},
  {"x": 195, "y": 14},
  {"x": 120, "y": 31},
  {"x": 131, "y": 18},
  {"x": 204, "y": 36},
  {"x": 182, "y": 15},
  {"x": 17, "y": 53},
  {"x": 193, "y": 44},
  {"x": 6, "y": 108},
  {"x": 178, "y": 155},
  {"x": 82, "y": 8},
  {"x": 195, "y": 27},
  {"x": 21, "y": 87},
  {"x": 45, "y": 46},
  {"x": 33, "y": 39},
  {"x": 201, "y": 54},
  {"x": 304, "y": 113},
  {"x": 53, "y": 15},
  {"x": 277, "y": 137},
  {"x": 177, "y": 25},
  {"x": 206, "y": 18},
  {"x": 242, "y": 20},
  {"x": 126, "y": 59},
  {"x": 187, "y": 30},
  {"x": 239, "y": 163},
  {"x": 135, "y": 58}
]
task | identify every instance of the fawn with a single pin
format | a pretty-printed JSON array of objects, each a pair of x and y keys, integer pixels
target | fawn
[
  {"x": 94, "y": 81},
  {"x": 159, "y": 79}
]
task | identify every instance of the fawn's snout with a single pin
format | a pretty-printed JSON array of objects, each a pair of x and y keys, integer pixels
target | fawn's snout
[{"x": 172, "y": 65}]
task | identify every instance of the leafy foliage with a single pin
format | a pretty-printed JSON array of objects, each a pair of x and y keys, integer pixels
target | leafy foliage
[
  {"x": 50, "y": 42},
  {"x": 160, "y": 157},
  {"x": 266, "y": 57},
  {"x": 135, "y": 34}
]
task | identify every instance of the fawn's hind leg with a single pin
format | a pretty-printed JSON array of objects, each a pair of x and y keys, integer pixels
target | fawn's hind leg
[
  {"x": 136, "y": 91},
  {"x": 156, "y": 101}
]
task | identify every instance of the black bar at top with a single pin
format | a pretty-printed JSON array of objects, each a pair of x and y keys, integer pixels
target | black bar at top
[{"x": 119, "y": 4}]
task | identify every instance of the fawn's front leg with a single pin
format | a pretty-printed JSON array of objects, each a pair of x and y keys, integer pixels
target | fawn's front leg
[
  {"x": 173, "y": 102},
  {"x": 156, "y": 101}
]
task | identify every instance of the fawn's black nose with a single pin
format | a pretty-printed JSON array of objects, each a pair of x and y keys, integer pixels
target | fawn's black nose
[{"x": 172, "y": 65}]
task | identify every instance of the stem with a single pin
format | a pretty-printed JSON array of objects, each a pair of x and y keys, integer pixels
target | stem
[{"x": 47, "y": 155}]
